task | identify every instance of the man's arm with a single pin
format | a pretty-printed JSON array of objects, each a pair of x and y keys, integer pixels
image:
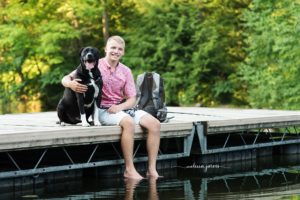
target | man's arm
[
  {"x": 129, "y": 103},
  {"x": 69, "y": 81}
]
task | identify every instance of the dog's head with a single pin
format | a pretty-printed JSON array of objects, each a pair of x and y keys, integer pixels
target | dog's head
[{"x": 89, "y": 57}]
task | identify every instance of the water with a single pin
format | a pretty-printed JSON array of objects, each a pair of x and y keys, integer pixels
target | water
[{"x": 264, "y": 178}]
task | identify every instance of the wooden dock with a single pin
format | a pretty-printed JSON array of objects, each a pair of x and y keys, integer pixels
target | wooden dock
[{"x": 39, "y": 131}]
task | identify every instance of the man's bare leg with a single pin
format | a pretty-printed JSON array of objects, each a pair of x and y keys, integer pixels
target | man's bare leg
[
  {"x": 127, "y": 142},
  {"x": 153, "y": 141}
]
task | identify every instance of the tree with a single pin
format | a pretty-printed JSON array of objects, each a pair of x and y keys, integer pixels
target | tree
[
  {"x": 30, "y": 46},
  {"x": 41, "y": 44},
  {"x": 271, "y": 69},
  {"x": 195, "y": 45}
]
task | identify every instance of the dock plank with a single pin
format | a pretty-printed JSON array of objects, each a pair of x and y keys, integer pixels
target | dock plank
[
  {"x": 222, "y": 120},
  {"x": 214, "y": 127},
  {"x": 36, "y": 130},
  {"x": 32, "y": 130}
]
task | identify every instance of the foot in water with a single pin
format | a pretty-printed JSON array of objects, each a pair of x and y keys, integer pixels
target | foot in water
[
  {"x": 153, "y": 174},
  {"x": 132, "y": 175}
]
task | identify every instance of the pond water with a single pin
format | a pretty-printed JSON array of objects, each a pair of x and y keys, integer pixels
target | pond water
[{"x": 263, "y": 178}]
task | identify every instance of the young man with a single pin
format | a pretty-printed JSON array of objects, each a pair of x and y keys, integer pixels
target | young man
[{"x": 118, "y": 84}]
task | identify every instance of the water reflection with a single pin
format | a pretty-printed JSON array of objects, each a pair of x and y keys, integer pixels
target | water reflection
[
  {"x": 266, "y": 178},
  {"x": 131, "y": 184},
  {"x": 152, "y": 192}
]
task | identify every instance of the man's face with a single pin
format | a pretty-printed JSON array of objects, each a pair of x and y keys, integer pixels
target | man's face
[{"x": 114, "y": 50}]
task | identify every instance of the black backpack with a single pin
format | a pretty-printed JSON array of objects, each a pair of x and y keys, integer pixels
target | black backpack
[{"x": 151, "y": 95}]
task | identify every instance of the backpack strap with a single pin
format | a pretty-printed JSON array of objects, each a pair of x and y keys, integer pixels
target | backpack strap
[
  {"x": 139, "y": 82},
  {"x": 155, "y": 90}
]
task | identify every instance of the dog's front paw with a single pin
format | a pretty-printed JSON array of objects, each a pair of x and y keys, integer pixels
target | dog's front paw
[
  {"x": 85, "y": 124},
  {"x": 62, "y": 124},
  {"x": 84, "y": 121},
  {"x": 97, "y": 123}
]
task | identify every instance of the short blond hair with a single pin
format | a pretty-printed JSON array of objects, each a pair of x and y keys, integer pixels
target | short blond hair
[{"x": 116, "y": 38}]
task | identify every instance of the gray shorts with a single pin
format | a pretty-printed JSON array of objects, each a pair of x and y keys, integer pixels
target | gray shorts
[{"x": 115, "y": 118}]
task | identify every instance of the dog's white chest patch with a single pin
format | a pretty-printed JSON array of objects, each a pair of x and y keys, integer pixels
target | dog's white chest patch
[{"x": 96, "y": 88}]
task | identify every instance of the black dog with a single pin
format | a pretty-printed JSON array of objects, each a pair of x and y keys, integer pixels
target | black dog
[{"x": 77, "y": 107}]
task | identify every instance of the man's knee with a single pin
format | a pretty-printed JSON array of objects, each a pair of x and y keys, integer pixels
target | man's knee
[
  {"x": 127, "y": 123},
  {"x": 156, "y": 125},
  {"x": 150, "y": 123}
]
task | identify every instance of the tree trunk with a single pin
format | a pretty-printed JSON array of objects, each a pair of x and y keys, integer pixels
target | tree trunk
[{"x": 105, "y": 26}]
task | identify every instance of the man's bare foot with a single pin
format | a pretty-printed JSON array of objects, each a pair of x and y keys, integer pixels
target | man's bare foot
[
  {"x": 132, "y": 175},
  {"x": 153, "y": 174}
]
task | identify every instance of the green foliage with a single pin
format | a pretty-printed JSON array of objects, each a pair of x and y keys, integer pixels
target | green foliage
[
  {"x": 29, "y": 47},
  {"x": 41, "y": 44},
  {"x": 157, "y": 46},
  {"x": 212, "y": 52},
  {"x": 271, "y": 69},
  {"x": 195, "y": 46}
]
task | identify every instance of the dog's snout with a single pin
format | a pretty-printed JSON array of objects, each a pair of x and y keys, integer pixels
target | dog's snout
[
  {"x": 89, "y": 54},
  {"x": 89, "y": 57}
]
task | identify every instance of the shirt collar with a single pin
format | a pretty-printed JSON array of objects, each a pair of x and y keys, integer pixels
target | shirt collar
[{"x": 107, "y": 65}]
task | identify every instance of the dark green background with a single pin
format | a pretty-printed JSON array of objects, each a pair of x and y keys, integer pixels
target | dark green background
[{"x": 236, "y": 53}]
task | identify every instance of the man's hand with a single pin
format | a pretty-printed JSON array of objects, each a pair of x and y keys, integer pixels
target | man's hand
[
  {"x": 114, "y": 109},
  {"x": 77, "y": 87},
  {"x": 128, "y": 104}
]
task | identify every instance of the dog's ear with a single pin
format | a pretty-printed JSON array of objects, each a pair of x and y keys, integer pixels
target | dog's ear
[{"x": 82, "y": 48}]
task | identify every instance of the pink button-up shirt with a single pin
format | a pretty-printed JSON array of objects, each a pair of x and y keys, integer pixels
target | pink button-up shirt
[{"x": 116, "y": 85}]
